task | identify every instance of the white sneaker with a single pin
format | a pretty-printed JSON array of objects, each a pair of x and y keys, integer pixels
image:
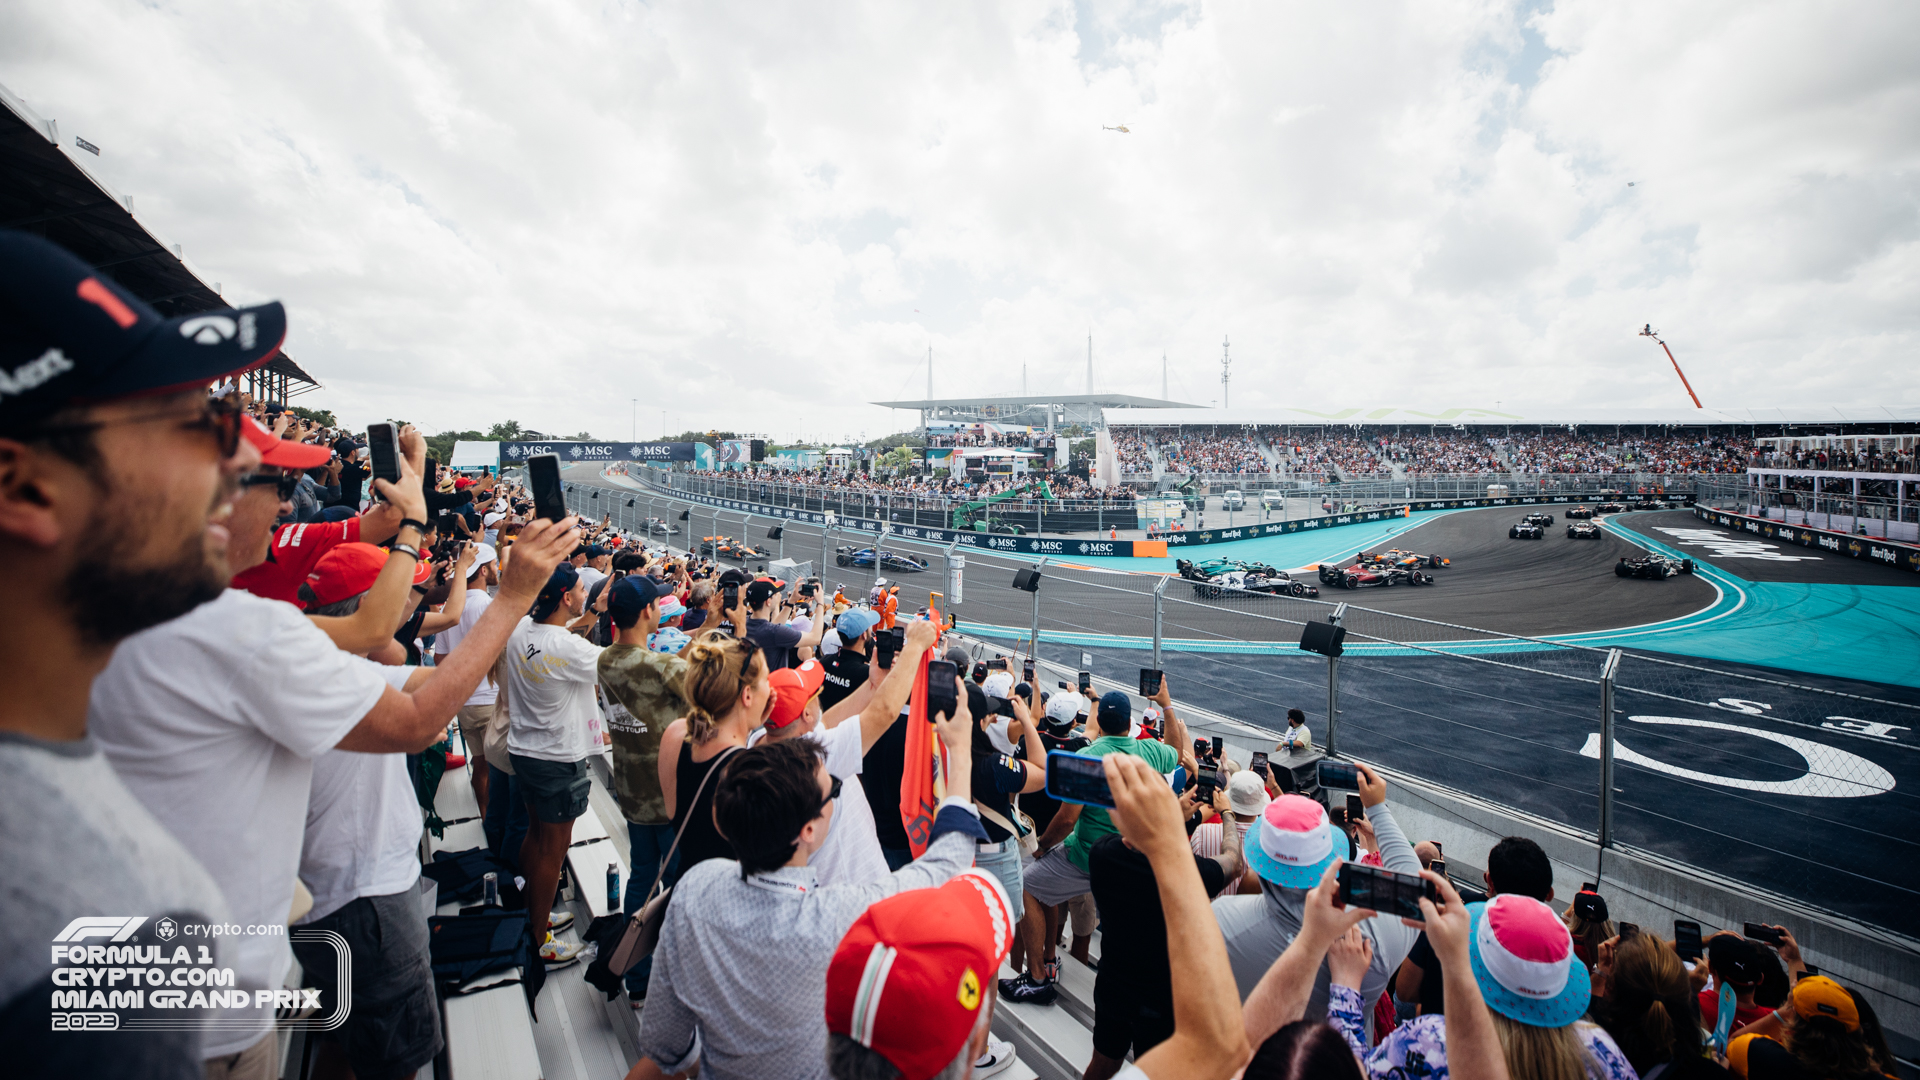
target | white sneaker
[
  {"x": 559, "y": 920},
  {"x": 999, "y": 1055},
  {"x": 557, "y": 953}
]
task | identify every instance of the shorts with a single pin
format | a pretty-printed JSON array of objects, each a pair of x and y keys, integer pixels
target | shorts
[
  {"x": 473, "y": 729},
  {"x": 1053, "y": 879},
  {"x": 1005, "y": 867},
  {"x": 1085, "y": 918},
  {"x": 393, "y": 1028},
  {"x": 1123, "y": 1023},
  {"x": 555, "y": 791}
]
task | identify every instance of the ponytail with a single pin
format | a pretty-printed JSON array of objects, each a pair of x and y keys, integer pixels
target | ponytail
[{"x": 718, "y": 667}]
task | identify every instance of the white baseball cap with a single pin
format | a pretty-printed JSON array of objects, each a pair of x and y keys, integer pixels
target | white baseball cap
[{"x": 1248, "y": 793}]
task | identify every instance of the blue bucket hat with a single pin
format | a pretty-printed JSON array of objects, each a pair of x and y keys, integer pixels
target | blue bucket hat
[
  {"x": 1293, "y": 843},
  {"x": 1524, "y": 962}
]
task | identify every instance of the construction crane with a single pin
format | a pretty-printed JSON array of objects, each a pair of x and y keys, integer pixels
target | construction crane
[{"x": 1649, "y": 331}]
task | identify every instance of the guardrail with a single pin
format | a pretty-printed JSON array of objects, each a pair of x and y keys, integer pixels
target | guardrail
[{"x": 1869, "y": 548}]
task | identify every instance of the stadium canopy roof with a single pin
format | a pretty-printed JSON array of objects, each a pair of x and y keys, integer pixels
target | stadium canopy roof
[
  {"x": 1101, "y": 401},
  {"x": 46, "y": 188},
  {"x": 1550, "y": 416}
]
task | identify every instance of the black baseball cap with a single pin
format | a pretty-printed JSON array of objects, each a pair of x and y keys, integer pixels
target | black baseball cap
[
  {"x": 631, "y": 595},
  {"x": 70, "y": 336}
]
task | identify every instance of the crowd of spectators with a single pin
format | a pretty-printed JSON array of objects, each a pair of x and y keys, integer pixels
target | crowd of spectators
[
  {"x": 1840, "y": 459},
  {"x": 220, "y": 713},
  {"x": 1610, "y": 452}
]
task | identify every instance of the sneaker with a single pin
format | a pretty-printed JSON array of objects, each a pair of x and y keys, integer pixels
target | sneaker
[
  {"x": 558, "y": 953},
  {"x": 1050, "y": 971},
  {"x": 999, "y": 1055},
  {"x": 1025, "y": 990},
  {"x": 559, "y": 919}
]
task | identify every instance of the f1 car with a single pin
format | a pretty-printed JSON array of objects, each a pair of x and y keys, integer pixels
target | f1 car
[
  {"x": 1363, "y": 575},
  {"x": 728, "y": 548},
  {"x": 1612, "y": 508},
  {"x": 1212, "y": 579},
  {"x": 1526, "y": 529},
  {"x": 1652, "y": 567},
  {"x": 847, "y": 555},
  {"x": 1581, "y": 512},
  {"x": 1407, "y": 559},
  {"x": 657, "y": 527},
  {"x": 1539, "y": 517},
  {"x": 1583, "y": 530}
]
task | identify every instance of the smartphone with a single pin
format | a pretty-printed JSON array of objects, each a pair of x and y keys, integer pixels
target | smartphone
[
  {"x": 998, "y": 663},
  {"x": 1686, "y": 939},
  {"x": 942, "y": 694},
  {"x": 383, "y": 440},
  {"x": 1209, "y": 782},
  {"x": 1259, "y": 763},
  {"x": 1437, "y": 847},
  {"x": 1356, "y": 811},
  {"x": 1086, "y": 684},
  {"x": 1339, "y": 774},
  {"x": 549, "y": 497},
  {"x": 1075, "y": 779},
  {"x": 1149, "y": 681},
  {"x": 1764, "y": 933},
  {"x": 729, "y": 596},
  {"x": 1588, "y": 886},
  {"x": 1026, "y": 672},
  {"x": 1219, "y": 747},
  {"x": 1439, "y": 866},
  {"x": 1337, "y": 816},
  {"x": 1384, "y": 891}
]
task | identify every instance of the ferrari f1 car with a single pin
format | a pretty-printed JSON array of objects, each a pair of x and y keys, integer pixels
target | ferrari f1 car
[
  {"x": 1216, "y": 577},
  {"x": 1579, "y": 512},
  {"x": 892, "y": 560},
  {"x": 1526, "y": 529},
  {"x": 1407, "y": 560},
  {"x": 1652, "y": 567},
  {"x": 1583, "y": 530},
  {"x": 1363, "y": 575}
]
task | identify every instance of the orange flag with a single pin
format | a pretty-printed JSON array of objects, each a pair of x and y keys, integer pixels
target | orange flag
[{"x": 922, "y": 783}]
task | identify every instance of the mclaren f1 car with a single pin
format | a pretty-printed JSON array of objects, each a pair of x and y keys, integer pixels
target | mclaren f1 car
[
  {"x": 724, "y": 547},
  {"x": 1215, "y": 578},
  {"x": 1407, "y": 560}
]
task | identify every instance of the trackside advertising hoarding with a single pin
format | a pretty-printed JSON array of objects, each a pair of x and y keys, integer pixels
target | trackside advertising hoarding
[
  {"x": 1870, "y": 548},
  {"x": 512, "y": 453}
]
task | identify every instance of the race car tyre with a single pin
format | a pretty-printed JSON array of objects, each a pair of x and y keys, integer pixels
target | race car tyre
[
  {"x": 1513, "y": 534},
  {"x": 1298, "y": 589},
  {"x": 842, "y": 560},
  {"x": 1620, "y": 570},
  {"x": 1686, "y": 566}
]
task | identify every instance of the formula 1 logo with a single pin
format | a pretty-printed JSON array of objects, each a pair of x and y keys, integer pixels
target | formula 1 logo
[{"x": 111, "y": 927}]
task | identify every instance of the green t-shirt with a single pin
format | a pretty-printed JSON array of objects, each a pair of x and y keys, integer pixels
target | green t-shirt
[
  {"x": 642, "y": 691},
  {"x": 1094, "y": 824}
]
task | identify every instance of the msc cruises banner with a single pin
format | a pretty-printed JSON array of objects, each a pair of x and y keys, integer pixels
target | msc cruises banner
[{"x": 512, "y": 453}]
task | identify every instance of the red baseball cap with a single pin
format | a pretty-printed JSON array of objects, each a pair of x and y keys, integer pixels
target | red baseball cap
[
  {"x": 792, "y": 689},
  {"x": 909, "y": 979},
  {"x": 283, "y": 453},
  {"x": 347, "y": 570}
]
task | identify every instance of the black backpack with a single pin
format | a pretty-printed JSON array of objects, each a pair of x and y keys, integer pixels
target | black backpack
[{"x": 464, "y": 948}]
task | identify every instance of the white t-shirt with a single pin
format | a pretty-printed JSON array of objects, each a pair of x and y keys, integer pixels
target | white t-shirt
[
  {"x": 213, "y": 721},
  {"x": 478, "y": 601},
  {"x": 851, "y": 854},
  {"x": 551, "y": 674},
  {"x": 363, "y": 825},
  {"x": 590, "y": 577}
]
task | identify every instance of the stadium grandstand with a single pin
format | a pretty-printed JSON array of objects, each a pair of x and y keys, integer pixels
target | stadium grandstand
[{"x": 323, "y": 758}]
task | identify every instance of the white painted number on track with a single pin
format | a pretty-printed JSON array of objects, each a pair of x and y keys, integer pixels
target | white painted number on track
[
  {"x": 1831, "y": 773},
  {"x": 1722, "y": 546}
]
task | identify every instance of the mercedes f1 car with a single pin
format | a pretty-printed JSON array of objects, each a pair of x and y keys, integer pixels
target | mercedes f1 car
[
  {"x": 1539, "y": 517},
  {"x": 1407, "y": 559},
  {"x": 1579, "y": 512},
  {"x": 1583, "y": 530},
  {"x": 1216, "y": 577},
  {"x": 1526, "y": 530},
  {"x": 1652, "y": 567},
  {"x": 727, "y": 548},
  {"x": 892, "y": 560},
  {"x": 658, "y": 527},
  {"x": 1362, "y": 575}
]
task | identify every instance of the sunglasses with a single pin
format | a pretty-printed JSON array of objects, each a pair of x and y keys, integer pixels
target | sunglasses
[
  {"x": 285, "y": 484},
  {"x": 218, "y": 417},
  {"x": 833, "y": 792}
]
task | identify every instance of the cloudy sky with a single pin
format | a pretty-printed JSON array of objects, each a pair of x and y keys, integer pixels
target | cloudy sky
[{"x": 761, "y": 216}]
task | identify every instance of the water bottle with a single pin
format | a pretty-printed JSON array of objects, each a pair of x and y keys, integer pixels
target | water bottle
[
  {"x": 613, "y": 886},
  {"x": 490, "y": 890}
]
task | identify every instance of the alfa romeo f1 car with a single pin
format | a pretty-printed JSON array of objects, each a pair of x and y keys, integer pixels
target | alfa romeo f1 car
[
  {"x": 1407, "y": 560},
  {"x": 1581, "y": 512},
  {"x": 1583, "y": 530},
  {"x": 1526, "y": 530},
  {"x": 1652, "y": 567},
  {"x": 892, "y": 560},
  {"x": 1216, "y": 577},
  {"x": 1363, "y": 575}
]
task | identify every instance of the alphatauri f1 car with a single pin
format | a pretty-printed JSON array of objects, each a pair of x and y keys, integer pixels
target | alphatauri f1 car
[
  {"x": 1652, "y": 567},
  {"x": 1219, "y": 577},
  {"x": 1583, "y": 530},
  {"x": 1363, "y": 575},
  {"x": 1526, "y": 530},
  {"x": 892, "y": 560}
]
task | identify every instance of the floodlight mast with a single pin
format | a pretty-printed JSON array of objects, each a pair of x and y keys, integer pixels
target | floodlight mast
[{"x": 1649, "y": 331}]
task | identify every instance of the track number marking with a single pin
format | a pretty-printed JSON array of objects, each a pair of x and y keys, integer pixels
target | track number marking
[{"x": 1831, "y": 773}]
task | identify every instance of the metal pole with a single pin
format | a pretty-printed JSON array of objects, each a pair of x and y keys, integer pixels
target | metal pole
[
  {"x": 1033, "y": 640},
  {"x": 1608, "y": 672},
  {"x": 956, "y": 565},
  {"x": 1333, "y": 686},
  {"x": 826, "y": 525},
  {"x": 1159, "y": 615}
]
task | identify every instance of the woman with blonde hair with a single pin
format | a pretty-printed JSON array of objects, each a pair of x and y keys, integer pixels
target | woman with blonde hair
[
  {"x": 1642, "y": 996},
  {"x": 727, "y": 697}
]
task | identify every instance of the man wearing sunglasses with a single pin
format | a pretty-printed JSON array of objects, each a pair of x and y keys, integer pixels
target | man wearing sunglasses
[{"x": 117, "y": 476}]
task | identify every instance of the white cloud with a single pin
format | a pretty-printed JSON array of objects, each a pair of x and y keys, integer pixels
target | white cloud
[{"x": 546, "y": 210}]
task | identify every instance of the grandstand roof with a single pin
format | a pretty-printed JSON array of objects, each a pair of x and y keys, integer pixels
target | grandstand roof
[
  {"x": 1099, "y": 401},
  {"x": 1551, "y": 415},
  {"x": 47, "y": 189}
]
